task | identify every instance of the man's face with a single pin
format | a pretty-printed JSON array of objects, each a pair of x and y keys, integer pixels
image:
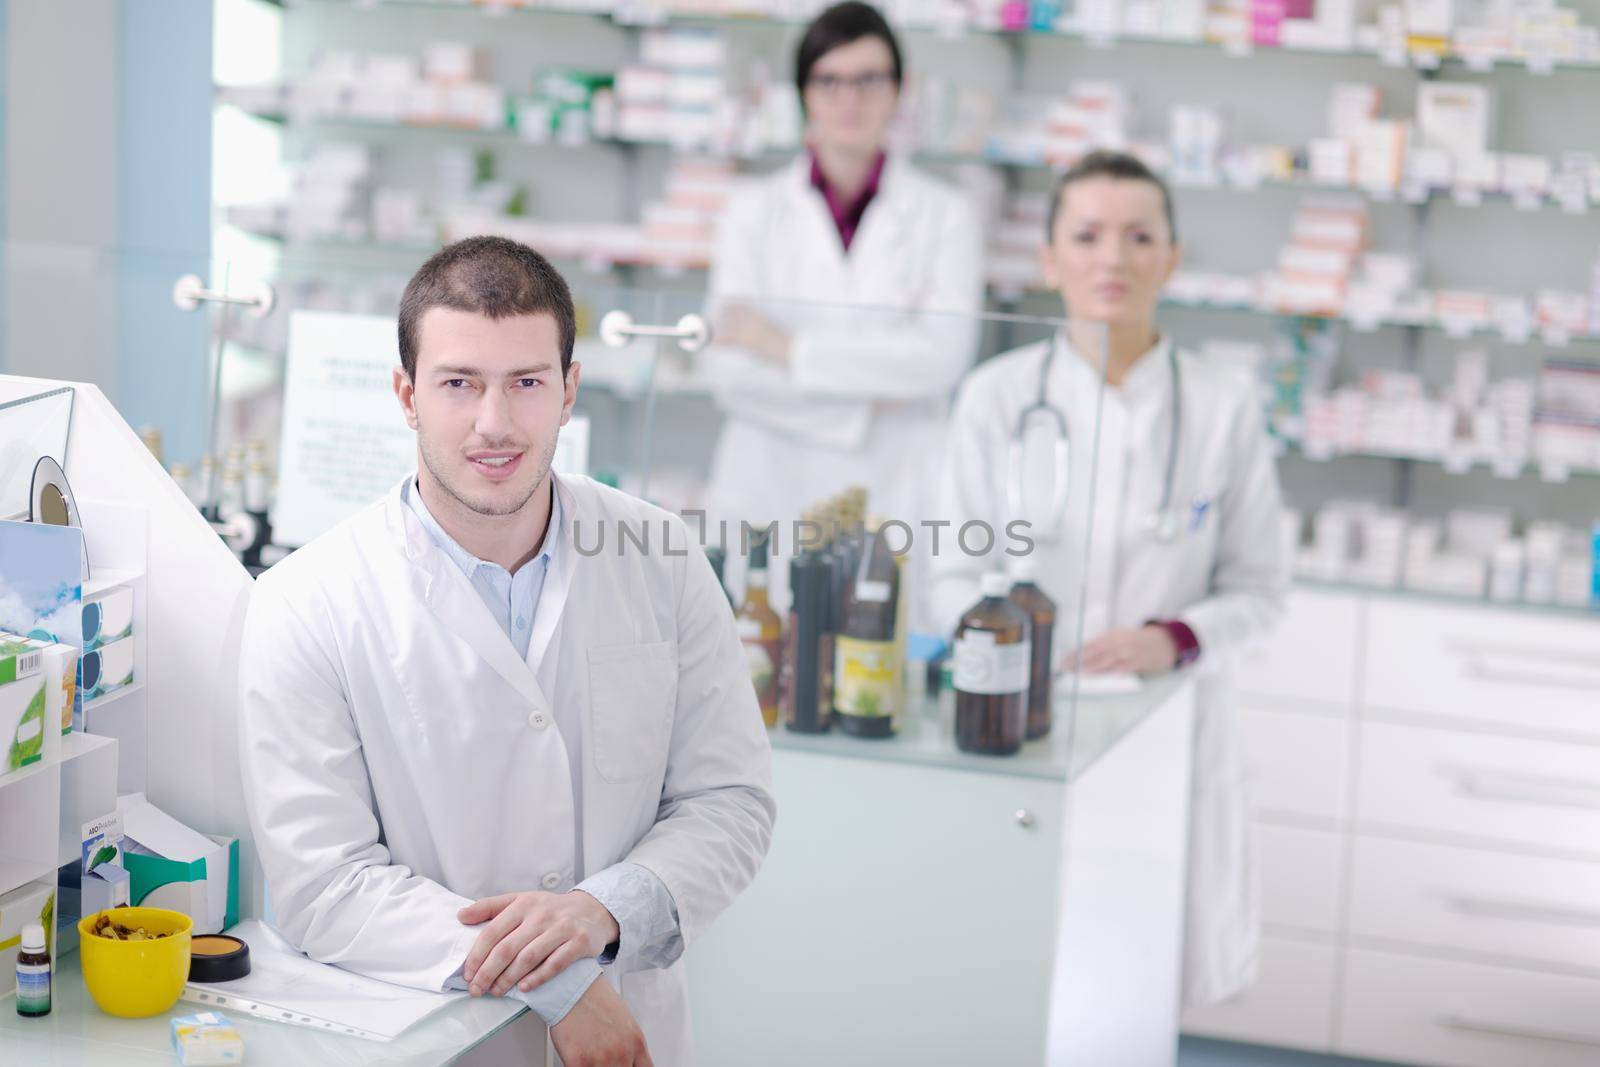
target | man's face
[{"x": 487, "y": 402}]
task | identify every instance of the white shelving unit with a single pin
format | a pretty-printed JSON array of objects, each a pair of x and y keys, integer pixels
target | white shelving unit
[{"x": 169, "y": 733}]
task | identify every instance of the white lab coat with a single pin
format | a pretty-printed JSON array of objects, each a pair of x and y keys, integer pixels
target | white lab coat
[
  {"x": 1225, "y": 575},
  {"x": 400, "y": 759},
  {"x": 880, "y": 338}
]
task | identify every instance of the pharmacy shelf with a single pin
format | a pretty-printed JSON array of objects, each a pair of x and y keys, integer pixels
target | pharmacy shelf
[
  {"x": 1589, "y": 613},
  {"x": 1548, "y": 473},
  {"x": 1299, "y": 183},
  {"x": 14, "y": 873},
  {"x": 104, "y": 578},
  {"x": 648, "y": 15},
  {"x": 101, "y": 703},
  {"x": 1003, "y": 295}
]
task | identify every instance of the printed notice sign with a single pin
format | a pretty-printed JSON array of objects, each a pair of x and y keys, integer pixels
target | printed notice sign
[{"x": 345, "y": 441}]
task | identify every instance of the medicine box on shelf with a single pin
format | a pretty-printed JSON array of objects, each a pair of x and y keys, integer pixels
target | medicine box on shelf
[
  {"x": 107, "y": 616},
  {"x": 108, "y": 669}
]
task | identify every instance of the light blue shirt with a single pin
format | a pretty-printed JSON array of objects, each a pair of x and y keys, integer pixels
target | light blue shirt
[{"x": 644, "y": 909}]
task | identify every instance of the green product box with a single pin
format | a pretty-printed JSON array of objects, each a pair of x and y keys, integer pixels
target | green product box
[{"x": 20, "y": 657}]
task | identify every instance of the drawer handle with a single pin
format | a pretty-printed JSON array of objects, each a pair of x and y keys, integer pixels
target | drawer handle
[
  {"x": 1523, "y": 789},
  {"x": 1511, "y": 909},
  {"x": 1456, "y": 1022},
  {"x": 1511, "y": 666}
]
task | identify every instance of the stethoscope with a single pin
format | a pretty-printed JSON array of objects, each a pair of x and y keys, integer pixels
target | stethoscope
[{"x": 1163, "y": 523}]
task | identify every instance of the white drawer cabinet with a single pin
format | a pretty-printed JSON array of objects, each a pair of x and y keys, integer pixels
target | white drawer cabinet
[
  {"x": 1296, "y": 762},
  {"x": 1517, "y": 907},
  {"x": 1299, "y": 878},
  {"x": 1291, "y": 1003},
  {"x": 1481, "y": 788},
  {"x": 1311, "y": 656},
  {"x": 1428, "y": 1011},
  {"x": 1509, "y": 668}
]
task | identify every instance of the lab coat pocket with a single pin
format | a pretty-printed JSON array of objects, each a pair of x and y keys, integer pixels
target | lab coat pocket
[{"x": 632, "y": 692}]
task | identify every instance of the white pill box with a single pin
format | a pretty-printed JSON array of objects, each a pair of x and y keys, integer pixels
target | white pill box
[
  {"x": 206, "y": 1040},
  {"x": 107, "y": 617}
]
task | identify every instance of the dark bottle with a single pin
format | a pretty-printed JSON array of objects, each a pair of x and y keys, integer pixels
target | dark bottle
[
  {"x": 806, "y": 708},
  {"x": 718, "y": 558},
  {"x": 33, "y": 973},
  {"x": 867, "y": 688},
  {"x": 1041, "y": 611},
  {"x": 992, "y": 660}
]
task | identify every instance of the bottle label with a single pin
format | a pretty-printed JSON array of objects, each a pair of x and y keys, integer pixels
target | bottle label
[
  {"x": 33, "y": 987},
  {"x": 791, "y": 653},
  {"x": 870, "y": 592},
  {"x": 983, "y": 666},
  {"x": 749, "y": 629},
  {"x": 865, "y": 682},
  {"x": 763, "y": 658}
]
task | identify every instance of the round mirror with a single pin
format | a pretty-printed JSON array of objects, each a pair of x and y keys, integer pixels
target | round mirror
[{"x": 53, "y": 507}]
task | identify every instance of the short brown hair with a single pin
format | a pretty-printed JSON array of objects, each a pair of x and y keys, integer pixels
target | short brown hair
[
  {"x": 840, "y": 25},
  {"x": 1106, "y": 164},
  {"x": 491, "y": 276}
]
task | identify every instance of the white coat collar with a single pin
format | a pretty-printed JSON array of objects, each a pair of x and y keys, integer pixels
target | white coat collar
[
  {"x": 1149, "y": 374},
  {"x": 893, "y": 185},
  {"x": 444, "y": 589}
]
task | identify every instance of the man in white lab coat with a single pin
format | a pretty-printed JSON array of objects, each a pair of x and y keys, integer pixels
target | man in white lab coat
[{"x": 477, "y": 751}]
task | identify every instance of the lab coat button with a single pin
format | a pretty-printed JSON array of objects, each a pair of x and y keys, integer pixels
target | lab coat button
[
  {"x": 538, "y": 720},
  {"x": 552, "y": 879}
]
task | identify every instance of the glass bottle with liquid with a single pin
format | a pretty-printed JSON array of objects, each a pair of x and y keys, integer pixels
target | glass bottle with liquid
[
  {"x": 867, "y": 685},
  {"x": 1041, "y": 611},
  {"x": 993, "y": 656},
  {"x": 33, "y": 973},
  {"x": 807, "y": 702},
  {"x": 762, "y": 633}
]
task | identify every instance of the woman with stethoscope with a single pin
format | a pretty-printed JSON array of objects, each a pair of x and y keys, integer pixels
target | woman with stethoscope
[{"x": 1165, "y": 530}]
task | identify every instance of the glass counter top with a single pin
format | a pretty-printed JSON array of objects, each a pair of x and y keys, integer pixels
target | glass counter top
[
  {"x": 1076, "y": 741},
  {"x": 77, "y": 1032}
]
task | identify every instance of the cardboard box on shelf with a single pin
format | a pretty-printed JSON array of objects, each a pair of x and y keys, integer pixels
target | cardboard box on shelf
[{"x": 173, "y": 866}]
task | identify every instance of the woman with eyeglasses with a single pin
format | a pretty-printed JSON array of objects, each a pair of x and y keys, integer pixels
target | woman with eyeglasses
[{"x": 816, "y": 396}]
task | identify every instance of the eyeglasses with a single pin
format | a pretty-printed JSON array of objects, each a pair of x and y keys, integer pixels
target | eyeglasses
[{"x": 834, "y": 86}]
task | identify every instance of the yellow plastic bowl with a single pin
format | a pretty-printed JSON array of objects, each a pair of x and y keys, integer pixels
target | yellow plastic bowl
[{"x": 135, "y": 979}]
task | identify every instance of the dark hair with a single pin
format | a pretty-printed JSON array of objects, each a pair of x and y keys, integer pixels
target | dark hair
[
  {"x": 491, "y": 276},
  {"x": 840, "y": 25},
  {"x": 1105, "y": 164}
]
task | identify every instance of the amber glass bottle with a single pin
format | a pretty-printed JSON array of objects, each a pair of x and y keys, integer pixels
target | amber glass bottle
[
  {"x": 762, "y": 633},
  {"x": 1041, "y": 611},
  {"x": 992, "y": 660}
]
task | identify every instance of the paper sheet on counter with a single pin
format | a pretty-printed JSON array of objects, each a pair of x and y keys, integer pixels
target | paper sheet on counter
[
  {"x": 286, "y": 987},
  {"x": 1104, "y": 685}
]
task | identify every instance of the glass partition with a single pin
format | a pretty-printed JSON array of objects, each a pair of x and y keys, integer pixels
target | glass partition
[
  {"x": 859, "y": 474},
  {"x": 924, "y": 450}
]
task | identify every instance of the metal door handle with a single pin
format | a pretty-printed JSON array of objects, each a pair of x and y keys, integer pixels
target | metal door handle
[
  {"x": 691, "y": 332},
  {"x": 1025, "y": 818},
  {"x": 190, "y": 291},
  {"x": 1529, "y": 912},
  {"x": 1526, "y": 666},
  {"x": 1516, "y": 788},
  {"x": 1456, "y": 1022}
]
